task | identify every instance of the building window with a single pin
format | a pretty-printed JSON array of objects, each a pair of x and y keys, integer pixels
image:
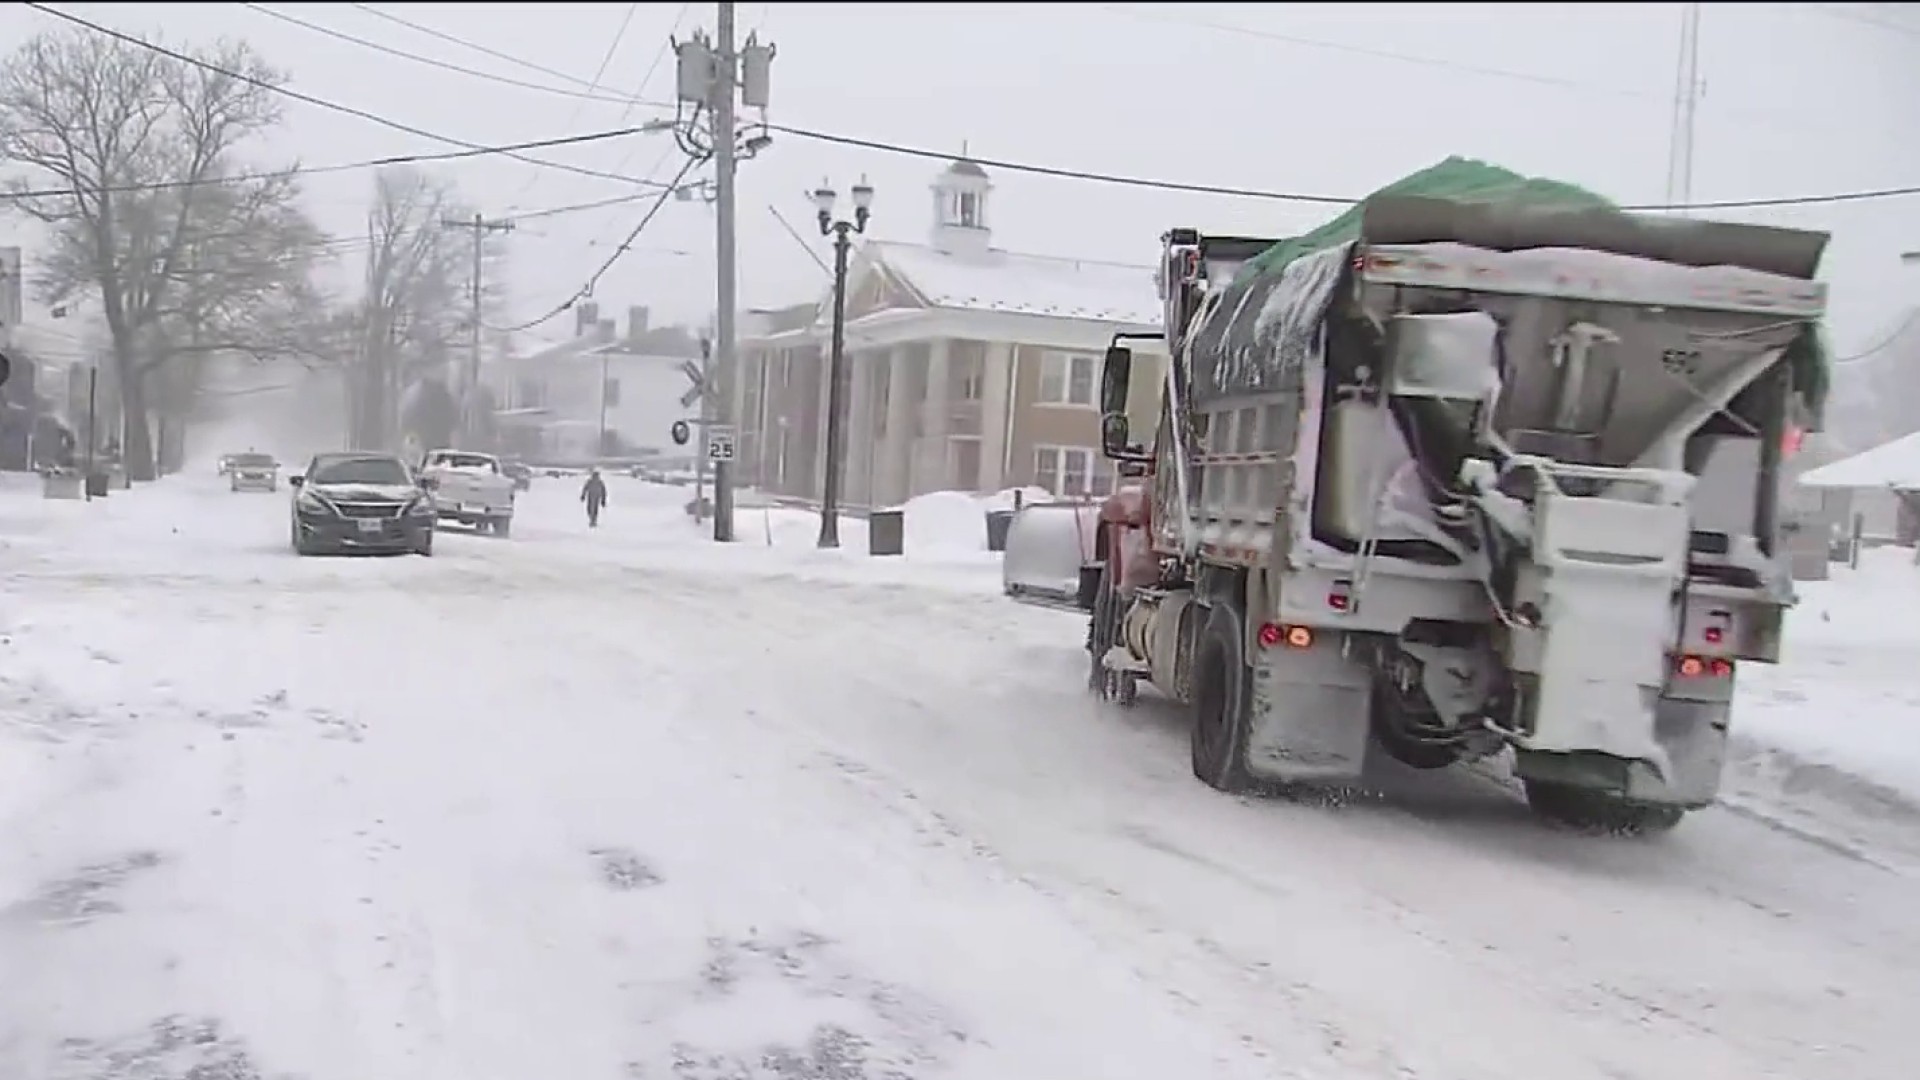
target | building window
[
  {"x": 969, "y": 210},
  {"x": 1071, "y": 471},
  {"x": 1068, "y": 379},
  {"x": 611, "y": 395},
  {"x": 529, "y": 393}
]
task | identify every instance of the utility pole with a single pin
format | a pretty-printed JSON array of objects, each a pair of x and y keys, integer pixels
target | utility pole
[
  {"x": 480, "y": 227},
  {"x": 727, "y": 73},
  {"x": 1686, "y": 108},
  {"x": 711, "y": 74}
]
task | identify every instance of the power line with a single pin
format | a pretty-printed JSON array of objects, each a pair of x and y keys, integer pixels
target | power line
[
  {"x": 1899, "y": 331},
  {"x": 1212, "y": 189},
  {"x": 1061, "y": 172},
  {"x": 1284, "y": 196},
  {"x": 626, "y": 245},
  {"x": 348, "y": 166},
  {"x": 342, "y": 35},
  {"x": 1374, "y": 52},
  {"x": 600, "y": 72},
  {"x": 659, "y": 57},
  {"x": 309, "y": 99},
  {"x": 441, "y": 35}
]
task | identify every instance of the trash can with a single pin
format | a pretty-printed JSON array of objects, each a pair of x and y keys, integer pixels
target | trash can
[
  {"x": 887, "y": 532},
  {"x": 998, "y": 522},
  {"x": 98, "y": 483}
]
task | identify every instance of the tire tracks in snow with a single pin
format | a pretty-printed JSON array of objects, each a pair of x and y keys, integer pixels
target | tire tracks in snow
[{"x": 1696, "y": 1034}]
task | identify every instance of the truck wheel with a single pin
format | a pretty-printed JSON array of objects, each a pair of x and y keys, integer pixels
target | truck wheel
[
  {"x": 1220, "y": 703},
  {"x": 502, "y": 526},
  {"x": 1103, "y": 631},
  {"x": 1584, "y": 808}
]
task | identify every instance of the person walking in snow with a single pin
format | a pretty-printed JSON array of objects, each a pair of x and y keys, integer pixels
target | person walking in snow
[{"x": 594, "y": 494}]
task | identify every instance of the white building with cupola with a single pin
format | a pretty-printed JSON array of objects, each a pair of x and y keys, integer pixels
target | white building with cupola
[{"x": 972, "y": 367}]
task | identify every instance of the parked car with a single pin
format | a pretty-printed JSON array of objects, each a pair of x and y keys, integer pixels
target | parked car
[
  {"x": 517, "y": 472},
  {"x": 224, "y": 463},
  {"x": 252, "y": 472},
  {"x": 469, "y": 488},
  {"x": 1051, "y": 559},
  {"x": 360, "y": 502}
]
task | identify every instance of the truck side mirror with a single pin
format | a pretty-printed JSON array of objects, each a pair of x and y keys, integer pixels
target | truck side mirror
[
  {"x": 1116, "y": 375},
  {"x": 1113, "y": 435}
]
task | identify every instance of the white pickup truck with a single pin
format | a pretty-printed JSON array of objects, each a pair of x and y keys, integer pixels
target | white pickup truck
[{"x": 469, "y": 488}]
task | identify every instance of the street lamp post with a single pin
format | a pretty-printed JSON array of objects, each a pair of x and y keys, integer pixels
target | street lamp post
[{"x": 842, "y": 232}]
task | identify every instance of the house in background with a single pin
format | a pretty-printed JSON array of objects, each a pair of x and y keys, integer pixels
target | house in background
[
  {"x": 554, "y": 404},
  {"x": 969, "y": 367}
]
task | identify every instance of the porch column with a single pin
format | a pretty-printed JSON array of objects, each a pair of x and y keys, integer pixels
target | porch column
[
  {"x": 896, "y": 451},
  {"x": 933, "y": 469},
  {"x": 996, "y": 382},
  {"x": 813, "y": 485},
  {"x": 858, "y": 466}
]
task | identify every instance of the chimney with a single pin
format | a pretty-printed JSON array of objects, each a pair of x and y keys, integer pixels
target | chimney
[
  {"x": 606, "y": 330},
  {"x": 586, "y": 315},
  {"x": 636, "y": 324}
]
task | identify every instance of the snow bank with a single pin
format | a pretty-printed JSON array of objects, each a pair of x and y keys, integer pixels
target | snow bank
[
  {"x": 938, "y": 524},
  {"x": 1844, "y": 703}
]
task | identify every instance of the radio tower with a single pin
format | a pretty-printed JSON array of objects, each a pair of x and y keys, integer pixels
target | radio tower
[{"x": 1686, "y": 104}]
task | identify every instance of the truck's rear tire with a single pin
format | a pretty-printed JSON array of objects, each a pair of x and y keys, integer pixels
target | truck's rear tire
[
  {"x": 502, "y": 526},
  {"x": 1222, "y": 688},
  {"x": 1585, "y": 808},
  {"x": 1103, "y": 629}
]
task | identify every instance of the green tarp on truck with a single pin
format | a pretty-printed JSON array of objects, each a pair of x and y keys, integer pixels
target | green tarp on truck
[{"x": 1470, "y": 183}]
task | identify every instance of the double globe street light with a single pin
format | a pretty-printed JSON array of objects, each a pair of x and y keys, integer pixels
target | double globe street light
[{"x": 842, "y": 232}]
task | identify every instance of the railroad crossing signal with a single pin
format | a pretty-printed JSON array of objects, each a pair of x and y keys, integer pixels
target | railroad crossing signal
[
  {"x": 720, "y": 443},
  {"x": 701, "y": 388}
]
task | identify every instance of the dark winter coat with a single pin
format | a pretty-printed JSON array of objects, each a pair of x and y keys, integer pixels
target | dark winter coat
[{"x": 594, "y": 492}]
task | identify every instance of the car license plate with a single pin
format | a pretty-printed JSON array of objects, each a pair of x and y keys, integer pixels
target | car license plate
[
  {"x": 369, "y": 525},
  {"x": 474, "y": 508}
]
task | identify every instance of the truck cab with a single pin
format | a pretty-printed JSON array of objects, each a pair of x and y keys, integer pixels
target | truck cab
[{"x": 470, "y": 488}]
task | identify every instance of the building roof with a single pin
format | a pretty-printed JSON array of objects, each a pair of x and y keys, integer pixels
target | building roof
[
  {"x": 1893, "y": 464},
  {"x": 1015, "y": 283}
]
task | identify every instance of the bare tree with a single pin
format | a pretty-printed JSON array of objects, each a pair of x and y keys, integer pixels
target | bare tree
[
  {"x": 417, "y": 307},
  {"x": 187, "y": 251}
]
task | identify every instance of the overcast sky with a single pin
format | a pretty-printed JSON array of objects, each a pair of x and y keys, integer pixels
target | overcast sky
[{"x": 1335, "y": 99}]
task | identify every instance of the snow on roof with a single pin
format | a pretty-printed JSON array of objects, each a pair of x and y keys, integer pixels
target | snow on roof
[
  {"x": 1893, "y": 464},
  {"x": 1021, "y": 284}
]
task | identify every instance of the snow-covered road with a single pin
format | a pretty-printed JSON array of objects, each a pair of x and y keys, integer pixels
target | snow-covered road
[{"x": 619, "y": 804}]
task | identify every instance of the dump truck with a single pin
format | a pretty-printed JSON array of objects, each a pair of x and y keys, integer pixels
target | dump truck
[{"x": 1485, "y": 465}]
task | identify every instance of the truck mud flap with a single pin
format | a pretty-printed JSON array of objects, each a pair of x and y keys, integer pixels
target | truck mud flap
[{"x": 1308, "y": 716}]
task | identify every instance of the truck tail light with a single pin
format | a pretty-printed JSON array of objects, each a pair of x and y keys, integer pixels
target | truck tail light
[
  {"x": 1340, "y": 596},
  {"x": 1696, "y": 667},
  {"x": 1293, "y": 637}
]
